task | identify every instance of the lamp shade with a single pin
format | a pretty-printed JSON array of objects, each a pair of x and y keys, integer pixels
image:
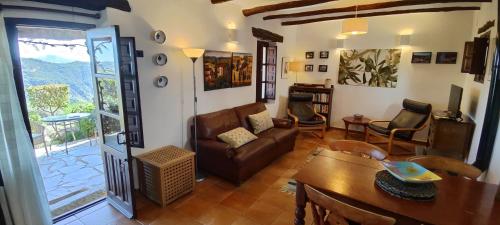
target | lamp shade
[
  {"x": 193, "y": 52},
  {"x": 295, "y": 66},
  {"x": 404, "y": 40},
  {"x": 354, "y": 26}
]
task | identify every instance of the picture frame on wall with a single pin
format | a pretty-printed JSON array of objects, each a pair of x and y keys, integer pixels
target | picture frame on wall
[
  {"x": 446, "y": 58},
  {"x": 421, "y": 58},
  {"x": 285, "y": 66},
  {"x": 309, "y": 55},
  {"x": 324, "y": 54},
  {"x": 309, "y": 68},
  {"x": 323, "y": 68}
]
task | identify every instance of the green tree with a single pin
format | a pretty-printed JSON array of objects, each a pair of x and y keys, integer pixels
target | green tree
[{"x": 49, "y": 99}]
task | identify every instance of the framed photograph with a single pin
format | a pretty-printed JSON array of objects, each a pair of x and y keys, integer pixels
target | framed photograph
[
  {"x": 323, "y": 68},
  {"x": 446, "y": 58},
  {"x": 309, "y": 55},
  {"x": 324, "y": 54},
  {"x": 309, "y": 68},
  {"x": 421, "y": 57},
  {"x": 285, "y": 67}
]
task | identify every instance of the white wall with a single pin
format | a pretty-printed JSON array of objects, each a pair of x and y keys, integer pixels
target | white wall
[
  {"x": 422, "y": 82},
  {"x": 475, "y": 94},
  {"x": 195, "y": 23}
]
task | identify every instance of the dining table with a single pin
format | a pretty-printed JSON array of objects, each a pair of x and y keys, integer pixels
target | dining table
[
  {"x": 351, "y": 179},
  {"x": 65, "y": 120}
]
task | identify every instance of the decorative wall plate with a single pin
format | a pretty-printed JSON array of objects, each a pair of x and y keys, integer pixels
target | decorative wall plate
[
  {"x": 161, "y": 81},
  {"x": 160, "y": 59},
  {"x": 159, "y": 37}
]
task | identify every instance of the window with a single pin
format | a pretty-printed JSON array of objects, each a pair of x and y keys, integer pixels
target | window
[{"x": 266, "y": 71}]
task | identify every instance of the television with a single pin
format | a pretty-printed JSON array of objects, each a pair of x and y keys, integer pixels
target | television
[{"x": 455, "y": 101}]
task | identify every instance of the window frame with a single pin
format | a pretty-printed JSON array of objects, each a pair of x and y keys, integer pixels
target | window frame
[{"x": 265, "y": 82}]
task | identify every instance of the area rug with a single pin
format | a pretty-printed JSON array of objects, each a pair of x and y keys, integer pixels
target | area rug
[{"x": 291, "y": 187}]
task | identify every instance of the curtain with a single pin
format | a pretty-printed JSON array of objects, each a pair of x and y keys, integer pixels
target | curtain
[{"x": 24, "y": 188}]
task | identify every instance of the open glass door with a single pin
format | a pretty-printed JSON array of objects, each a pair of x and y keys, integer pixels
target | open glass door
[{"x": 104, "y": 50}]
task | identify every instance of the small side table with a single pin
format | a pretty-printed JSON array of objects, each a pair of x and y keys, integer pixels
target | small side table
[{"x": 351, "y": 120}]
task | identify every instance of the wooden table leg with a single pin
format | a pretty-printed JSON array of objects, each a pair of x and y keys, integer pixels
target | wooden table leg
[
  {"x": 346, "y": 129},
  {"x": 300, "y": 201}
]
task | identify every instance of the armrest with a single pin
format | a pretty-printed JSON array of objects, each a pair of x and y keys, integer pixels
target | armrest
[
  {"x": 320, "y": 116},
  {"x": 217, "y": 148},
  {"x": 294, "y": 118},
  {"x": 282, "y": 123},
  {"x": 378, "y": 121}
]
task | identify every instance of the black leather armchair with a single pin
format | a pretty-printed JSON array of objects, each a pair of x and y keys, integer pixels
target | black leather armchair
[
  {"x": 412, "y": 118},
  {"x": 301, "y": 112}
]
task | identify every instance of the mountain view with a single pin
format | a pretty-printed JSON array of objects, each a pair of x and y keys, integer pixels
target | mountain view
[{"x": 75, "y": 74}]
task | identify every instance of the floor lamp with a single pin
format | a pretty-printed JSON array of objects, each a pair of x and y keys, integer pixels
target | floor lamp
[
  {"x": 194, "y": 54},
  {"x": 295, "y": 67}
]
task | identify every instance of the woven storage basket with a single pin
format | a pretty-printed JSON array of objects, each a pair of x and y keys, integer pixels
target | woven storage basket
[{"x": 165, "y": 174}]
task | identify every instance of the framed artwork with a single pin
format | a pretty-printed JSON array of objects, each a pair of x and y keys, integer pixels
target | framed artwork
[
  {"x": 217, "y": 70},
  {"x": 323, "y": 68},
  {"x": 369, "y": 67},
  {"x": 421, "y": 57},
  {"x": 309, "y": 55},
  {"x": 309, "y": 68},
  {"x": 285, "y": 67},
  {"x": 446, "y": 58},
  {"x": 241, "y": 69},
  {"x": 324, "y": 54}
]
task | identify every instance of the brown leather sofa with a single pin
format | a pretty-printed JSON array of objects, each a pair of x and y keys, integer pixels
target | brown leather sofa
[{"x": 237, "y": 165}]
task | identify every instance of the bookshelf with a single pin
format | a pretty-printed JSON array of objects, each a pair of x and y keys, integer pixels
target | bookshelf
[{"x": 322, "y": 97}]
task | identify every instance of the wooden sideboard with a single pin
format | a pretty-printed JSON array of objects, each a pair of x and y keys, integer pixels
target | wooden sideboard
[{"x": 449, "y": 137}]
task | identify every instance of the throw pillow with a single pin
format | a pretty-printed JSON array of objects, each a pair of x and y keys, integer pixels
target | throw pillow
[
  {"x": 237, "y": 137},
  {"x": 261, "y": 121}
]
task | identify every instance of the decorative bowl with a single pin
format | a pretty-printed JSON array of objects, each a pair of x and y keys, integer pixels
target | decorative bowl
[
  {"x": 410, "y": 172},
  {"x": 358, "y": 116}
]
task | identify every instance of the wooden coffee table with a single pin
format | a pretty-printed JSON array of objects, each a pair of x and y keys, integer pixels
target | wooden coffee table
[{"x": 351, "y": 120}]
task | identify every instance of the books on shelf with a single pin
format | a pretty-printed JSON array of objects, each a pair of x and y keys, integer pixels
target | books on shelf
[
  {"x": 321, "y": 108},
  {"x": 321, "y": 97}
]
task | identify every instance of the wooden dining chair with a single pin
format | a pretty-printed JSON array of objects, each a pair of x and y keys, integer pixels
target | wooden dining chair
[
  {"x": 359, "y": 148},
  {"x": 443, "y": 164},
  {"x": 329, "y": 211}
]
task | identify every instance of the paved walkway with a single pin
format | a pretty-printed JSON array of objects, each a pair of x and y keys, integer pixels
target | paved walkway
[{"x": 74, "y": 179}]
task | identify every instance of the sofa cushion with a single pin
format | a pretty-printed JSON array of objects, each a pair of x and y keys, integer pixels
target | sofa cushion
[
  {"x": 237, "y": 137},
  {"x": 256, "y": 153},
  {"x": 311, "y": 122},
  {"x": 245, "y": 110},
  {"x": 279, "y": 134},
  {"x": 261, "y": 122},
  {"x": 212, "y": 124}
]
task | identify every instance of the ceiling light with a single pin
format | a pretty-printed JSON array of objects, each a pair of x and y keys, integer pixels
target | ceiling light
[{"x": 355, "y": 26}]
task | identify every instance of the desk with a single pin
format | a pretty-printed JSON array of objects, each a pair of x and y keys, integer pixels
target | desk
[
  {"x": 352, "y": 179},
  {"x": 65, "y": 119}
]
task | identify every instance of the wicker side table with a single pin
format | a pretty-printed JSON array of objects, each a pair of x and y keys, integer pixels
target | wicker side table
[{"x": 166, "y": 174}]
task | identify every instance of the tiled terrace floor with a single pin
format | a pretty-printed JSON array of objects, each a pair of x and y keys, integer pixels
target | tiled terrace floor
[{"x": 74, "y": 179}]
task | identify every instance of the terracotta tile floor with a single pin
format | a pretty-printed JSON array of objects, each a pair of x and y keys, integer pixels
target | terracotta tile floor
[{"x": 214, "y": 201}]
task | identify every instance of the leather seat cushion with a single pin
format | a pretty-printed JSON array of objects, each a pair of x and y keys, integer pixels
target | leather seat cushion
[
  {"x": 379, "y": 129},
  {"x": 279, "y": 134},
  {"x": 255, "y": 153},
  {"x": 212, "y": 124},
  {"x": 250, "y": 109},
  {"x": 311, "y": 122}
]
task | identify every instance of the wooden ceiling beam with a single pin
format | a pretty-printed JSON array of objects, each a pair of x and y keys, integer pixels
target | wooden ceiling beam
[
  {"x": 385, "y": 13},
  {"x": 283, "y": 5},
  {"x": 375, "y": 6},
  {"x": 219, "y": 1}
]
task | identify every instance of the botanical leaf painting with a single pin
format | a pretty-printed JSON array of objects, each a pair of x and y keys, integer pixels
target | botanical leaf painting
[{"x": 369, "y": 67}]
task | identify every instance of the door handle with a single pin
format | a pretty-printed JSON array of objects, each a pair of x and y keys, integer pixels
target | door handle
[{"x": 119, "y": 140}]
